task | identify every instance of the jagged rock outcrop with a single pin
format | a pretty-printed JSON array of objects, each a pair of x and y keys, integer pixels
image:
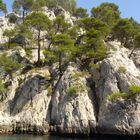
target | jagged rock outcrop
[
  {"x": 26, "y": 106},
  {"x": 72, "y": 105},
  {"x": 30, "y": 107},
  {"x": 136, "y": 57},
  {"x": 60, "y": 11},
  {"x": 118, "y": 72}
]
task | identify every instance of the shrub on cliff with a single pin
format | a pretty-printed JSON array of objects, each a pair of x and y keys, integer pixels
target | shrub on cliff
[
  {"x": 133, "y": 91},
  {"x": 9, "y": 65},
  {"x": 118, "y": 95}
]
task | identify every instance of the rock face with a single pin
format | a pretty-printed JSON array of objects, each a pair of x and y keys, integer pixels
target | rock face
[
  {"x": 122, "y": 116},
  {"x": 136, "y": 57},
  {"x": 26, "y": 104},
  {"x": 72, "y": 111},
  {"x": 29, "y": 107}
]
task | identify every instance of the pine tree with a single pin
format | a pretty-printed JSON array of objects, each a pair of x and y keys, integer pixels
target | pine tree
[
  {"x": 38, "y": 4},
  {"x": 9, "y": 33},
  {"x": 81, "y": 12},
  {"x": 39, "y": 22},
  {"x": 91, "y": 46},
  {"x": 59, "y": 25},
  {"x": 22, "y": 5},
  {"x": 136, "y": 44},
  {"x": 61, "y": 51},
  {"x": 106, "y": 12},
  {"x": 9, "y": 65},
  {"x": 123, "y": 30}
]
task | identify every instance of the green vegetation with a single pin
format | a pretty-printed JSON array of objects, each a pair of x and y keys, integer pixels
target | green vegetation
[
  {"x": 123, "y": 30},
  {"x": 69, "y": 5},
  {"x": 133, "y": 91},
  {"x": 64, "y": 44},
  {"x": 40, "y": 22},
  {"x": 79, "y": 74},
  {"x": 10, "y": 34},
  {"x": 121, "y": 69},
  {"x": 23, "y": 36},
  {"x": 75, "y": 89},
  {"x": 136, "y": 43},
  {"x": 91, "y": 45},
  {"x": 81, "y": 12},
  {"x": 37, "y": 5},
  {"x": 9, "y": 65},
  {"x": 94, "y": 66},
  {"x": 22, "y": 6},
  {"x": 118, "y": 95},
  {"x": 28, "y": 52},
  {"x": 2, "y": 6},
  {"x": 50, "y": 90},
  {"x": 106, "y": 12}
]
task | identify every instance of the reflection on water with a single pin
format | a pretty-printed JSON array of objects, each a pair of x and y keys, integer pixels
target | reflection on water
[{"x": 29, "y": 137}]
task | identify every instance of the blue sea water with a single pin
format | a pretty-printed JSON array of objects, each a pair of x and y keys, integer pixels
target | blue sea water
[{"x": 30, "y": 137}]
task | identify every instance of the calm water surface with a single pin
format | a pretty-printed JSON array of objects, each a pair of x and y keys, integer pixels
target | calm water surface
[{"x": 28, "y": 137}]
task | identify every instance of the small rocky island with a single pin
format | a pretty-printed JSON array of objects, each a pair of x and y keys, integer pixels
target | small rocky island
[{"x": 68, "y": 73}]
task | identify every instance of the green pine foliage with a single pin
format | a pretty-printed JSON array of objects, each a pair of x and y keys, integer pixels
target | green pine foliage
[
  {"x": 22, "y": 6},
  {"x": 40, "y": 22},
  {"x": 123, "y": 30},
  {"x": 106, "y": 12},
  {"x": 91, "y": 46},
  {"x": 9, "y": 65},
  {"x": 62, "y": 52},
  {"x": 69, "y": 5},
  {"x": 3, "y": 7},
  {"x": 81, "y": 13},
  {"x": 118, "y": 95},
  {"x": 9, "y": 33}
]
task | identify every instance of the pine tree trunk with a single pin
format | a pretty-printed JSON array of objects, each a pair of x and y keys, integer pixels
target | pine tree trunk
[
  {"x": 39, "y": 48},
  {"x": 9, "y": 41},
  {"x": 23, "y": 15},
  {"x": 49, "y": 46},
  {"x": 130, "y": 55}
]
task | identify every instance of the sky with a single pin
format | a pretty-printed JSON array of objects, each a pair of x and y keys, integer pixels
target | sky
[{"x": 128, "y": 8}]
